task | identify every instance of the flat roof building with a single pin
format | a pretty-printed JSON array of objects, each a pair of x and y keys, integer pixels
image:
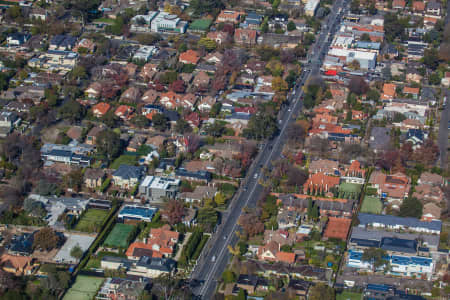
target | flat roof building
[
  {"x": 156, "y": 189},
  {"x": 134, "y": 212}
]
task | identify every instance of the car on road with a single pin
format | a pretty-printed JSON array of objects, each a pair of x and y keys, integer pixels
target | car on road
[
  {"x": 213, "y": 259},
  {"x": 255, "y": 176}
]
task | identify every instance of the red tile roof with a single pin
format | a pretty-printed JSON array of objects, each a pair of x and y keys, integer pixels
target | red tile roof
[
  {"x": 101, "y": 108},
  {"x": 189, "y": 57},
  {"x": 337, "y": 228},
  {"x": 286, "y": 257},
  {"x": 320, "y": 182}
]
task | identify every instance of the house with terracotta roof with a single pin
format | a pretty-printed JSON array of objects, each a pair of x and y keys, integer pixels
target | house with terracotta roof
[
  {"x": 388, "y": 91},
  {"x": 325, "y": 117},
  {"x": 394, "y": 188},
  {"x": 358, "y": 115},
  {"x": 170, "y": 100},
  {"x": 138, "y": 249},
  {"x": 431, "y": 212},
  {"x": 337, "y": 228},
  {"x": 124, "y": 112},
  {"x": 272, "y": 252},
  {"x": 229, "y": 16},
  {"x": 418, "y": 6},
  {"x": 189, "y": 57},
  {"x": 100, "y": 109},
  {"x": 414, "y": 92},
  {"x": 354, "y": 173},
  {"x": 160, "y": 243},
  {"x": 17, "y": 265},
  {"x": 320, "y": 183},
  {"x": 193, "y": 119},
  {"x": 163, "y": 240},
  {"x": 398, "y": 4},
  {"x": 245, "y": 37}
]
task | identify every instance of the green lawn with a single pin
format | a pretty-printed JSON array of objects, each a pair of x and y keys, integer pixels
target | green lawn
[
  {"x": 349, "y": 190},
  {"x": 92, "y": 220},
  {"x": 123, "y": 160},
  {"x": 372, "y": 205},
  {"x": 350, "y": 187},
  {"x": 84, "y": 288},
  {"x": 104, "y": 20},
  {"x": 118, "y": 237},
  {"x": 348, "y": 296}
]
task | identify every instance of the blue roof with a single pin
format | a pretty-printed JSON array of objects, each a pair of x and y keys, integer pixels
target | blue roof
[
  {"x": 398, "y": 245},
  {"x": 415, "y": 132},
  {"x": 366, "y": 219},
  {"x": 145, "y": 212},
  {"x": 368, "y": 45},
  {"x": 379, "y": 287},
  {"x": 406, "y": 260}
]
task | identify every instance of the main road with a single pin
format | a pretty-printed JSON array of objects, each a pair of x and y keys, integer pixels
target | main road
[{"x": 216, "y": 256}]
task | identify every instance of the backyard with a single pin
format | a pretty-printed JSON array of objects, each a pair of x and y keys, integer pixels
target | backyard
[
  {"x": 92, "y": 220},
  {"x": 124, "y": 160}
]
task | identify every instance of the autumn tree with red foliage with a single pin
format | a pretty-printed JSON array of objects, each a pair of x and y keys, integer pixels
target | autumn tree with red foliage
[
  {"x": 358, "y": 85},
  {"x": 247, "y": 152},
  {"x": 193, "y": 142},
  {"x": 251, "y": 224},
  {"x": 109, "y": 91},
  {"x": 174, "y": 211},
  {"x": 177, "y": 86}
]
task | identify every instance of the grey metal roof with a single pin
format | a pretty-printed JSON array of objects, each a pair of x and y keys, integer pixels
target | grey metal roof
[
  {"x": 128, "y": 172},
  {"x": 367, "y": 219}
]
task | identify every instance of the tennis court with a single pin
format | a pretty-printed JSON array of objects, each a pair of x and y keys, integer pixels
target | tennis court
[
  {"x": 118, "y": 237},
  {"x": 84, "y": 288},
  {"x": 372, "y": 205},
  {"x": 92, "y": 220}
]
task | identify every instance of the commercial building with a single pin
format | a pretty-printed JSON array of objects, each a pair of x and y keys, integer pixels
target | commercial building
[
  {"x": 366, "y": 60},
  {"x": 400, "y": 265},
  {"x": 165, "y": 22},
  {"x": 156, "y": 189},
  {"x": 158, "y": 21},
  {"x": 399, "y": 223}
]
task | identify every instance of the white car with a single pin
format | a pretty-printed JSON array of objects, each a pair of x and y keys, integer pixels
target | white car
[{"x": 255, "y": 176}]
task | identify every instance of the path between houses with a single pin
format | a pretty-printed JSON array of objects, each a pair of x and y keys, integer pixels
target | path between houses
[{"x": 186, "y": 238}]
